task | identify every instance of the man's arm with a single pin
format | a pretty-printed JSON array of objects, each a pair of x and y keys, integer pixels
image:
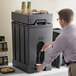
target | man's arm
[{"x": 58, "y": 46}]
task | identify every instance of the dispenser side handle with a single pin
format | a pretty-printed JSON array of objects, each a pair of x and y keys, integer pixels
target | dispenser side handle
[{"x": 40, "y": 22}]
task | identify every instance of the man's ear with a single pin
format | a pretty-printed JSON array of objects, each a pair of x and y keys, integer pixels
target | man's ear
[{"x": 63, "y": 20}]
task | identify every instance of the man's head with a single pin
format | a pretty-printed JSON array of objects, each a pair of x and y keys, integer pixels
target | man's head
[{"x": 65, "y": 17}]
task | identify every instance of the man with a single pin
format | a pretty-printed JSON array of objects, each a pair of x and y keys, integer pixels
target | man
[{"x": 65, "y": 43}]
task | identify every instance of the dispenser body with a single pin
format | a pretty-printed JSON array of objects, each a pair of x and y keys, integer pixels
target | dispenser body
[{"x": 29, "y": 34}]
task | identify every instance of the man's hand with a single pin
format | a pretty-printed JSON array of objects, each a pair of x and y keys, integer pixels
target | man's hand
[
  {"x": 40, "y": 67},
  {"x": 46, "y": 46}
]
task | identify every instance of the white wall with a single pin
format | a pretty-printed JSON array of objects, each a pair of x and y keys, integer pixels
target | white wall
[
  {"x": 67, "y": 4},
  {"x": 7, "y": 6}
]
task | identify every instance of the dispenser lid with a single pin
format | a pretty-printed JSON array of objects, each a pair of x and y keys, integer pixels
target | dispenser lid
[{"x": 30, "y": 19}]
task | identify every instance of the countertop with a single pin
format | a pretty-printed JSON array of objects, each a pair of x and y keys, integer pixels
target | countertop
[{"x": 62, "y": 71}]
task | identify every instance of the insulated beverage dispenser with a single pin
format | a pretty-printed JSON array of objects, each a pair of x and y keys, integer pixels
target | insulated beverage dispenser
[{"x": 29, "y": 34}]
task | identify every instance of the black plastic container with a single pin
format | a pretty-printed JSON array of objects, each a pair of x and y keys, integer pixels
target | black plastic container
[{"x": 29, "y": 34}]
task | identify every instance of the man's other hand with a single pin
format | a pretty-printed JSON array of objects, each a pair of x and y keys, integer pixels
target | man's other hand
[{"x": 40, "y": 67}]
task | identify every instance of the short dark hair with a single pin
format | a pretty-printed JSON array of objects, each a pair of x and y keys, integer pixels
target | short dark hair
[{"x": 66, "y": 14}]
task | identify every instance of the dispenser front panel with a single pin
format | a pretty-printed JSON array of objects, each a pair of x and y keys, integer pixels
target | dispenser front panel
[{"x": 37, "y": 38}]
